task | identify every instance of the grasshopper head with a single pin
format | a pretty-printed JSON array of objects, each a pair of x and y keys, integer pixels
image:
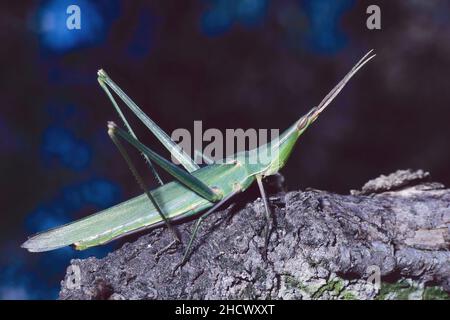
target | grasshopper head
[{"x": 282, "y": 148}]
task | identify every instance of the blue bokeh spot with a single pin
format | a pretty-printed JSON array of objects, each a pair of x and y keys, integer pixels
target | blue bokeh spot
[
  {"x": 325, "y": 34},
  {"x": 222, "y": 14},
  {"x": 61, "y": 143},
  {"x": 54, "y": 34}
]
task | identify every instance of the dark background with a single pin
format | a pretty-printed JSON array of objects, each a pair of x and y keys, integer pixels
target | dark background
[{"x": 230, "y": 63}]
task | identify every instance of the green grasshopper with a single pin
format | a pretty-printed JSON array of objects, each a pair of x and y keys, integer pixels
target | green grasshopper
[{"x": 194, "y": 190}]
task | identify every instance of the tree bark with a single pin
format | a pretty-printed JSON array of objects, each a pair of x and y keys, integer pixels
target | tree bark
[{"x": 323, "y": 246}]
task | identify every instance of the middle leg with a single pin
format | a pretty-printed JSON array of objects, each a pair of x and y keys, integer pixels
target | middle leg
[{"x": 268, "y": 214}]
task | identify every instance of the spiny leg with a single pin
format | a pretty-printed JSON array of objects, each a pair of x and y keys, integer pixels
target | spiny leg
[
  {"x": 184, "y": 177},
  {"x": 140, "y": 181},
  {"x": 267, "y": 213},
  {"x": 130, "y": 130},
  {"x": 197, "y": 226},
  {"x": 174, "y": 149}
]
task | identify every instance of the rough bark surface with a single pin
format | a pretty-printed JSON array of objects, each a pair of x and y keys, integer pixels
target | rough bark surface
[{"x": 323, "y": 246}]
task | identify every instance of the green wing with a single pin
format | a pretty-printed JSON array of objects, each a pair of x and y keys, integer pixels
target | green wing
[{"x": 138, "y": 213}]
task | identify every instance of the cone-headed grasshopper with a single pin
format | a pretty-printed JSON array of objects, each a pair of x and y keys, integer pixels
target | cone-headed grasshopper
[{"x": 194, "y": 189}]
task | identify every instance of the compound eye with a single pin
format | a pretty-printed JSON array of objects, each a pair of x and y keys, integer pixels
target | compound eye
[{"x": 302, "y": 123}]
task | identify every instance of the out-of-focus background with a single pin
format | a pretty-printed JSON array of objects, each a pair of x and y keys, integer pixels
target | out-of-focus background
[{"x": 230, "y": 63}]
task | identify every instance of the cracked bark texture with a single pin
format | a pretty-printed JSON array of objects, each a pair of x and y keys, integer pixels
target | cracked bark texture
[{"x": 323, "y": 246}]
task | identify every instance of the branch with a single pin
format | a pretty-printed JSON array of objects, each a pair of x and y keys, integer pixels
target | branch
[{"x": 323, "y": 246}]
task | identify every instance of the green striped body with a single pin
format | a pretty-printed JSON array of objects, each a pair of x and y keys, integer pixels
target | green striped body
[
  {"x": 139, "y": 213},
  {"x": 174, "y": 198}
]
